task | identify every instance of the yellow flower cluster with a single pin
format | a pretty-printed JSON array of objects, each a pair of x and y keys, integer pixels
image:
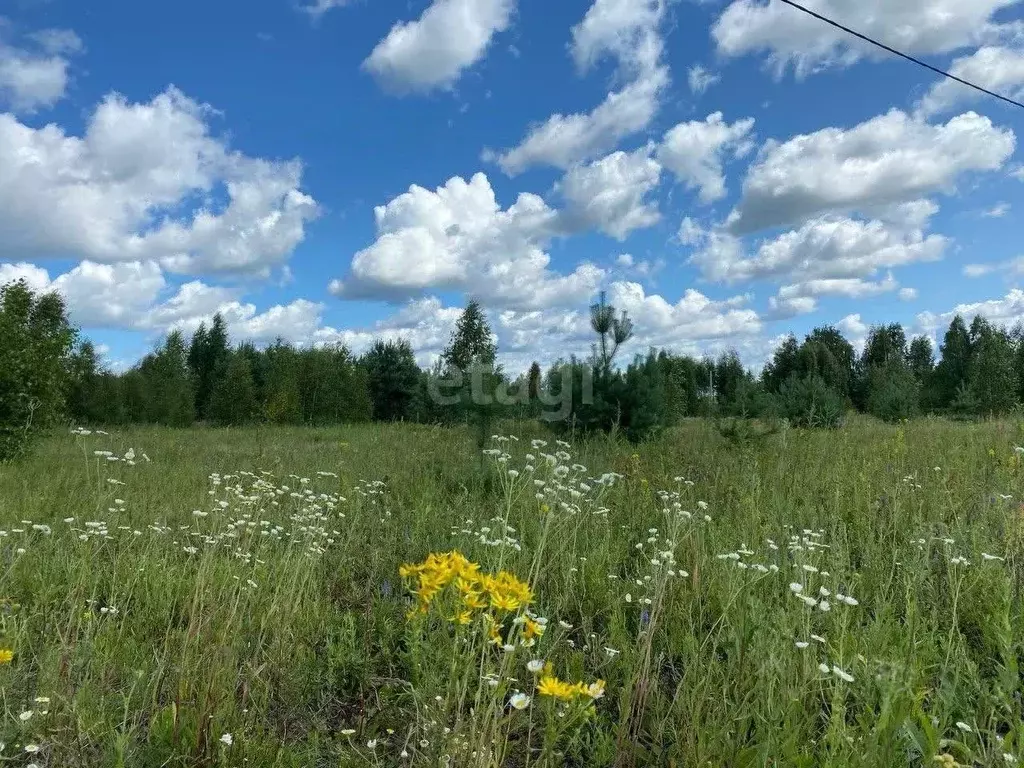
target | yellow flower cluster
[
  {"x": 550, "y": 685},
  {"x": 6, "y": 656},
  {"x": 477, "y": 591}
]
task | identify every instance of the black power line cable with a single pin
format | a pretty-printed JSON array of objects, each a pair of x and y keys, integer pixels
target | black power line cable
[{"x": 902, "y": 55}]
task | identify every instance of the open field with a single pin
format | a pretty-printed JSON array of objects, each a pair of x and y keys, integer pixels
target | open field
[{"x": 809, "y": 599}]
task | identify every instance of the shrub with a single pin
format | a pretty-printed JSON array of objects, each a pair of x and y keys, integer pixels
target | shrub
[
  {"x": 893, "y": 392},
  {"x": 631, "y": 403},
  {"x": 807, "y": 401}
]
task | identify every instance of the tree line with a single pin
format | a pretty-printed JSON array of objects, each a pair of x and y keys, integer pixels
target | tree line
[{"x": 48, "y": 375}]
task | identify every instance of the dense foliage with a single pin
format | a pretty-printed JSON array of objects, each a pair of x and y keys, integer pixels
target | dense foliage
[
  {"x": 35, "y": 364},
  {"x": 206, "y": 378}
]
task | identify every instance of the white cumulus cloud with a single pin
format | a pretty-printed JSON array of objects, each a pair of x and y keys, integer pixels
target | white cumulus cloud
[
  {"x": 458, "y": 237},
  {"x": 888, "y": 159},
  {"x": 694, "y": 151},
  {"x": 827, "y": 247},
  {"x": 147, "y": 182},
  {"x": 789, "y": 37},
  {"x": 627, "y": 31},
  {"x": 433, "y": 51},
  {"x": 35, "y": 75},
  {"x": 563, "y": 140},
  {"x": 610, "y": 194},
  {"x": 994, "y": 67},
  {"x": 1005, "y": 311}
]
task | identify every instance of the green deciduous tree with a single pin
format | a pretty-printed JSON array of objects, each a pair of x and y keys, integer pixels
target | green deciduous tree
[
  {"x": 233, "y": 399},
  {"x": 893, "y": 392},
  {"x": 281, "y": 403},
  {"x": 85, "y": 398},
  {"x": 954, "y": 367},
  {"x": 36, "y": 340},
  {"x": 992, "y": 378},
  {"x": 394, "y": 378},
  {"x": 207, "y": 359},
  {"x": 166, "y": 385},
  {"x": 826, "y": 353}
]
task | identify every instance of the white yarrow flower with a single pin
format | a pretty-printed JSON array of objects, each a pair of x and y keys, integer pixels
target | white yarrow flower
[{"x": 842, "y": 674}]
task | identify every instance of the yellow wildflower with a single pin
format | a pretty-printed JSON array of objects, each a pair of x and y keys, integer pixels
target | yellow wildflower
[
  {"x": 504, "y": 602},
  {"x": 550, "y": 685},
  {"x": 532, "y": 629},
  {"x": 6, "y": 655},
  {"x": 493, "y": 629}
]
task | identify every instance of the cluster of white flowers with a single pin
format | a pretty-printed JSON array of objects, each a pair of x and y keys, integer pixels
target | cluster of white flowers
[
  {"x": 558, "y": 483},
  {"x": 497, "y": 533}
]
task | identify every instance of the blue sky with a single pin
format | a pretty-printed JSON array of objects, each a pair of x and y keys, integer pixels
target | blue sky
[{"x": 728, "y": 171}]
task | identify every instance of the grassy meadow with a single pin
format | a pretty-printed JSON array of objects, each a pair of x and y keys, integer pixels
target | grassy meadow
[{"x": 267, "y": 597}]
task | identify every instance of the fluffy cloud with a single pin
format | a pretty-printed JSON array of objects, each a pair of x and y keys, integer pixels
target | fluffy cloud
[
  {"x": 694, "y": 324},
  {"x": 36, "y": 76},
  {"x": 888, "y": 159},
  {"x": 694, "y": 152},
  {"x": 827, "y": 248},
  {"x": 855, "y": 330},
  {"x": 610, "y": 194},
  {"x": 1007, "y": 311},
  {"x": 458, "y": 237},
  {"x": 195, "y": 302},
  {"x": 993, "y": 67},
  {"x": 563, "y": 140},
  {"x": 433, "y": 51},
  {"x": 425, "y": 323},
  {"x": 700, "y": 79},
  {"x": 801, "y": 298},
  {"x": 788, "y": 36},
  {"x": 124, "y": 189},
  {"x": 97, "y": 295},
  {"x": 695, "y": 317},
  {"x": 37, "y": 278},
  {"x": 626, "y": 30},
  {"x": 128, "y": 296}
]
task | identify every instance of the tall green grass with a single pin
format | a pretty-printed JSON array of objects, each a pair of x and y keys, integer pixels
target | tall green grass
[{"x": 243, "y": 586}]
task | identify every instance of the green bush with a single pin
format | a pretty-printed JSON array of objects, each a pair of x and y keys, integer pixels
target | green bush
[
  {"x": 893, "y": 392},
  {"x": 808, "y": 401}
]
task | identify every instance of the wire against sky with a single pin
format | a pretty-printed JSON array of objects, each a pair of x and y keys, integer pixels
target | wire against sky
[{"x": 906, "y": 56}]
